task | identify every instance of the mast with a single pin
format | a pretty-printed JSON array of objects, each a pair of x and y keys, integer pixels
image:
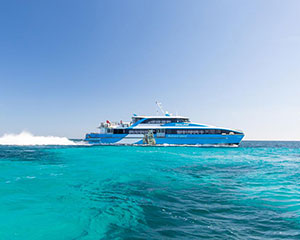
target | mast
[
  {"x": 160, "y": 107},
  {"x": 166, "y": 113}
]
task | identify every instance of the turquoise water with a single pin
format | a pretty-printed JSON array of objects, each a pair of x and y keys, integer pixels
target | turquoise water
[{"x": 119, "y": 192}]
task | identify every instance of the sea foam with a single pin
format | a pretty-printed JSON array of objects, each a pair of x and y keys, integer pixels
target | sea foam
[{"x": 26, "y": 138}]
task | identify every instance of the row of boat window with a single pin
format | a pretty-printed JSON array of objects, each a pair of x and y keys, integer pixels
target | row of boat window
[
  {"x": 164, "y": 121},
  {"x": 173, "y": 131},
  {"x": 161, "y": 120},
  {"x": 206, "y": 131}
]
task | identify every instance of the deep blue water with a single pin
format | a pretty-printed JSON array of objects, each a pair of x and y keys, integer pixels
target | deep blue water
[{"x": 123, "y": 192}]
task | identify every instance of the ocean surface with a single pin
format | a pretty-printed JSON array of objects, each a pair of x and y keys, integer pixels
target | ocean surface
[{"x": 127, "y": 192}]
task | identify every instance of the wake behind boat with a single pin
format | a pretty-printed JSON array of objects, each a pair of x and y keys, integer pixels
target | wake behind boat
[{"x": 161, "y": 130}]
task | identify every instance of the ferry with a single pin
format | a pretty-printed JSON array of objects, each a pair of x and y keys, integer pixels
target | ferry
[{"x": 165, "y": 129}]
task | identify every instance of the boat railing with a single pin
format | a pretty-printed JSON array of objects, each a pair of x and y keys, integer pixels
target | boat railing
[{"x": 114, "y": 124}]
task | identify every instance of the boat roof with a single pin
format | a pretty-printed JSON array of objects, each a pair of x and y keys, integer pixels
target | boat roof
[
  {"x": 146, "y": 126},
  {"x": 159, "y": 116}
]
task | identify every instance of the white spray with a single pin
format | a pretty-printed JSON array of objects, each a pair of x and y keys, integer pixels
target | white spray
[{"x": 25, "y": 138}]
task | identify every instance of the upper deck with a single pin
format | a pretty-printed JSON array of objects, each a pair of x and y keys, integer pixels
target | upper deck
[
  {"x": 146, "y": 123},
  {"x": 158, "y": 119}
]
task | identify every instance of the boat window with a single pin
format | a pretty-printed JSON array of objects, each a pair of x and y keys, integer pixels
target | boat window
[
  {"x": 134, "y": 120},
  {"x": 119, "y": 131},
  {"x": 109, "y": 130},
  {"x": 138, "y": 131}
]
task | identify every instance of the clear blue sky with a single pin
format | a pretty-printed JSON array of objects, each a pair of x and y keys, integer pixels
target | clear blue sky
[{"x": 67, "y": 65}]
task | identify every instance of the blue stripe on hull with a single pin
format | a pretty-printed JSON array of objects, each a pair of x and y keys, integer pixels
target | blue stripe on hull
[{"x": 209, "y": 139}]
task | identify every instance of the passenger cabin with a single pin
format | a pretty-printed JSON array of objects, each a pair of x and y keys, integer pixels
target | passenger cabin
[{"x": 140, "y": 125}]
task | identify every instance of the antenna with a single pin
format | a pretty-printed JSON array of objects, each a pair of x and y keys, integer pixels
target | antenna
[{"x": 160, "y": 107}]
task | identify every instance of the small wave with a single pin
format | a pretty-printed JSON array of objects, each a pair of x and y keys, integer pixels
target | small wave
[{"x": 26, "y": 139}]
